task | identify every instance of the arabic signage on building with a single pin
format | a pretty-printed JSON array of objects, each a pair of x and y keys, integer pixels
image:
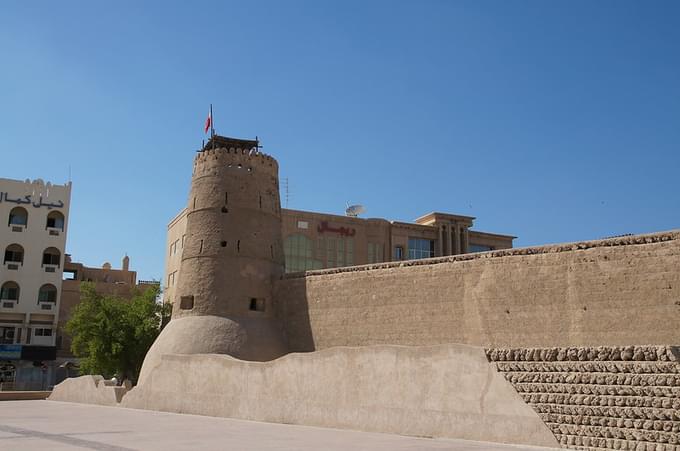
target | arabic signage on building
[
  {"x": 27, "y": 199},
  {"x": 10, "y": 352},
  {"x": 344, "y": 231}
]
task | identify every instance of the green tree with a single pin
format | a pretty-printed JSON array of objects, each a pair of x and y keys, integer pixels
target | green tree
[{"x": 112, "y": 335}]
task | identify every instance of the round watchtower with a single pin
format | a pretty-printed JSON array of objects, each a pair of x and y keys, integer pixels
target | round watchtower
[{"x": 233, "y": 252}]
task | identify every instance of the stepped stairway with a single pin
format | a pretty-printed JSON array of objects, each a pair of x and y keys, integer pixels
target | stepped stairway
[{"x": 594, "y": 398}]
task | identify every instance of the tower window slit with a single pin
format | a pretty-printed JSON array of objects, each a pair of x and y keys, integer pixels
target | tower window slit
[
  {"x": 200, "y": 249},
  {"x": 238, "y": 246}
]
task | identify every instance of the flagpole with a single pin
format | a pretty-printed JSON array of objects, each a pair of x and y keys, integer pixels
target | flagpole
[{"x": 212, "y": 122}]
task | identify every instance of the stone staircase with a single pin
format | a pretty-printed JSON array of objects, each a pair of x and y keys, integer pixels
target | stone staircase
[{"x": 600, "y": 397}]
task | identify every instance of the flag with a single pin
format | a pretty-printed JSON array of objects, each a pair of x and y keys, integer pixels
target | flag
[{"x": 208, "y": 122}]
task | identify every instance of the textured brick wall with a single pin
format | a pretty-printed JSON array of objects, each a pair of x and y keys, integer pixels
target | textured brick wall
[
  {"x": 620, "y": 291},
  {"x": 604, "y": 397}
]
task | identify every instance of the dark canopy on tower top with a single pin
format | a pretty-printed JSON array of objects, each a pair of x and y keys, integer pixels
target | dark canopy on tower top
[{"x": 236, "y": 143}]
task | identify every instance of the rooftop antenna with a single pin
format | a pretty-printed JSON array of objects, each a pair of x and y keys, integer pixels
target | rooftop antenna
[
  {"x": 354, "y": 210},
  {"x": 287, "y": 191}
]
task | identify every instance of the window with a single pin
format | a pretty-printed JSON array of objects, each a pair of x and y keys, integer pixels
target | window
[
  {"x": 184, "y": 237},
  {"x": 42, "y": 332},
  {"x": 398, "y": 253},
  {"x": 420, "y": 248},
  {"x": 298, "y": 250},
  {"x": 480, "y": 248},
  {"x": 375, "y": 253},
  {"x": 7, "y": 335},
  {"x": 55, "y": 220},
  {"x": 349, "y": 256},
  {"x": 9, "y": 292},
  {"x": 14, "y": 254},
  {"x": 186, "y": 302},
  {"x": 257, "y": 305},
  {"x": 18, "y": 216},
  {"x": 337, "y": 251},
  {"x": 51, "y": 256},
  {"x": 47, "y": 293},
  {"x": 171, "y": 279}
]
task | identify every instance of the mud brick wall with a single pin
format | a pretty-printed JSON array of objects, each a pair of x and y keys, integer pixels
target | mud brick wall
[
  {"x": 619, "y": 291},
  {"x": 600, "y": 397}
]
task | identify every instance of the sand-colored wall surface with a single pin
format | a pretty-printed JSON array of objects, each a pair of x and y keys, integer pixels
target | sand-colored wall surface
[
  {"x": 440, "y": 391},
  {"x": 619, "y": 291},
  {"x": 88, "y": 390}
]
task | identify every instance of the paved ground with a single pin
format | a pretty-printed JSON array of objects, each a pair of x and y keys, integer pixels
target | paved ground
[{"x": 51, "y": 425}]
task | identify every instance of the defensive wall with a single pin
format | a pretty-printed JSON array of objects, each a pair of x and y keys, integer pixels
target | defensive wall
[{"x": 618, "y": 291}]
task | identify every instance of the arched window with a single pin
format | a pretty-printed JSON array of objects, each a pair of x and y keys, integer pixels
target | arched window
[
  {"x": 48, "y": 293},
  {"x": 9, "y": 292},
  {"x": 18, "y": 216},
  {"x": 55, "y": 220},
  {"x": 14, "y": 254},
  {"x": 51, "y": 256},
  {"x": 298, "y": 251}
]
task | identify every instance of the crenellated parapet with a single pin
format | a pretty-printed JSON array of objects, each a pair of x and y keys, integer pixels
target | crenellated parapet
[{"x": 241, "y": 158}]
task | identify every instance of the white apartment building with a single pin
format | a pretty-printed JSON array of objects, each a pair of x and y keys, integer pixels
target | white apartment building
[{"x": 33, "y": 227}]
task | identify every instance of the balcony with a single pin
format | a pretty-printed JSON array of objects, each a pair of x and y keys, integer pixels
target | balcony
[
  {"x": 17, "y": 227},
  {"x": 7, "y": 305},
  {"x": 12, "y": 266},
  {"x": 50, "y": 268}
]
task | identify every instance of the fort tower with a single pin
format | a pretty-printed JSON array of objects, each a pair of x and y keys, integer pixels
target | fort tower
[{"x": 232, "y": 254}]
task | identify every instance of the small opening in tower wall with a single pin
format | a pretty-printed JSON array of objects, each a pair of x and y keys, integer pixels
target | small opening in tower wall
[
  {"x": 225, "y": 210},
  {"x": 200, "y": 249},
  {"x": 257, "y": 305},
  {"x": 186, "y": 302},
  {"x": 238, "y": 246},
  {"x": 223, "y": 243},
  {"x": 260, "y": 201}
]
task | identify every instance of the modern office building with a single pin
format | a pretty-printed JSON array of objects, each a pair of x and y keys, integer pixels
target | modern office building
[
  {"x": 33, "y": 238},
  {"x": 320, "y": 240}
]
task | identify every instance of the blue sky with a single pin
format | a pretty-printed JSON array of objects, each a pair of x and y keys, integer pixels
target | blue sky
[{"x": 551, "y": 121}]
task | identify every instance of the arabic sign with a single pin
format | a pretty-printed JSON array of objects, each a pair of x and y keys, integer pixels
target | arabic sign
[
  {"x": 10, "y": 352},
  {"x": 344, "y": 231},
  {"x": 27, "y": 200}
]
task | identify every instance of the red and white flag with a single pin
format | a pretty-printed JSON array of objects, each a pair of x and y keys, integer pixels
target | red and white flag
[{"x": 208, "y": 121}]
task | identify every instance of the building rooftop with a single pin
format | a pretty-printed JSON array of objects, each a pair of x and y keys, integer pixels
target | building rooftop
[{"x": 236, "y": 143}]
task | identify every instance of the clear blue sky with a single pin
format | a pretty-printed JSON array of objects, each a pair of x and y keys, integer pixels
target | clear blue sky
[{"x": 552, "y": 121}]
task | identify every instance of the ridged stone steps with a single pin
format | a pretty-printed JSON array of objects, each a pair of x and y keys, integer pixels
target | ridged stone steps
[{"x": 600, "y": 397}]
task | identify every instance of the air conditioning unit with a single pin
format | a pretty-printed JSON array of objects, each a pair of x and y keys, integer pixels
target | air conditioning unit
[
  {"x": 13, "y": 266},
  {"x": 17, "y": 229},
  {"x": 46, "y": 306},
  {"x": 9, "y": 334},
  {"x": 50, "y": 269},
  {"x": 54, "y": 232},
  {"x": 8, "y": 304}
]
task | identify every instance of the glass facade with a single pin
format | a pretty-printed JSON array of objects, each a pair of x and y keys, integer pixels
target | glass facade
[
  {"x": 420, "y": 248},
  {"x": 298, "y": 250},
  {"x": 479, "y": 248},
  {"x": 375, "y": 253}
]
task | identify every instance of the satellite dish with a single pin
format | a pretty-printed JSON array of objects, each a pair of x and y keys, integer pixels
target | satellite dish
[{"x": 355, "y": 210}]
